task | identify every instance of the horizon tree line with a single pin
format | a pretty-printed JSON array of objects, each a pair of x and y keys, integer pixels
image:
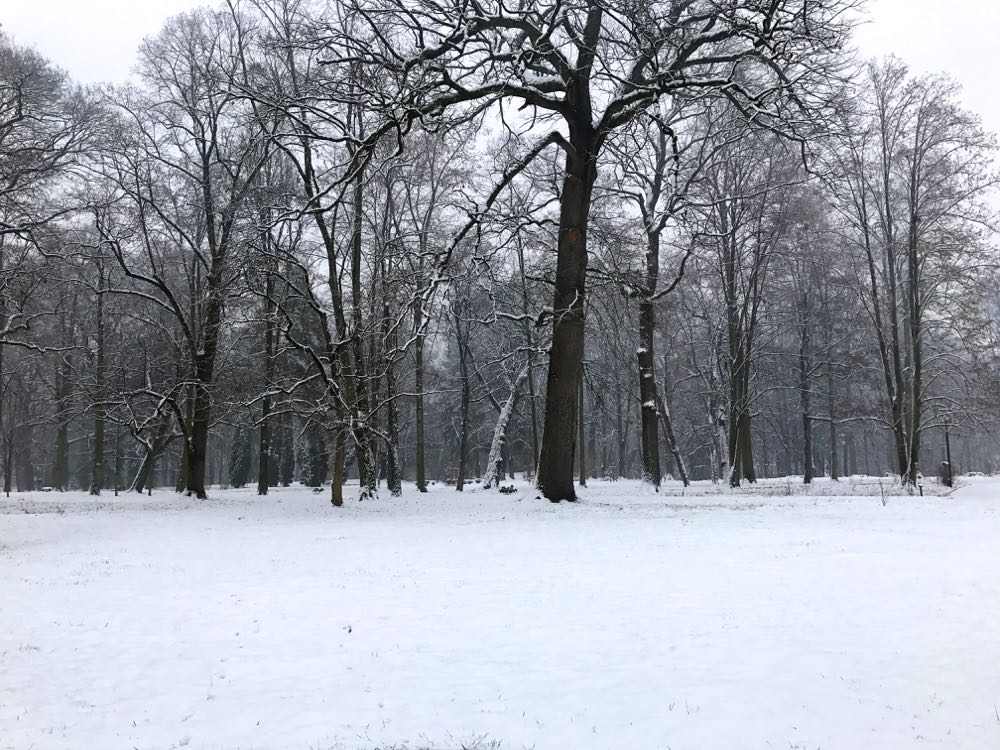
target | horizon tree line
[{"x": 407, "y": 239}]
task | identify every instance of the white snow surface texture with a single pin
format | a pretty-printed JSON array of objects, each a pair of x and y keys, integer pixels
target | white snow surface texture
[{"x": 449, "y": 620}]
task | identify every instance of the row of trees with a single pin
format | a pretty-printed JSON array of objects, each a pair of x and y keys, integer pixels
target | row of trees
[{"x": 447, "y": 241}]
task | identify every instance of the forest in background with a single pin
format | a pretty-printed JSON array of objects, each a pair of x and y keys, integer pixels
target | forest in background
[{"x": 451, "y": 240}]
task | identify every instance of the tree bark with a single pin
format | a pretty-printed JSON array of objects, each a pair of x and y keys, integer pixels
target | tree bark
[
  {"x": 60, "y": 466},
  {"x": 672, "y": 445},
  {"x": 494, "y": 473},
  {"x": 805, "y": 393},
  {"x": 367, "y": 469},
  {"x": 582, "y": 439},
  {"x": 530, "y": 345},
  {"x": 555, "y": 465},
  {"x": 270, "y": 323},
  {"x": 418, "y": 377},
  {"x": 394, "y": 478},
  {"x": 463, "y": 433},
  {"x": 97, "y": 465},
  {"x": 915, "y": 315},
  {"x": 651, "y": 471},
  {"x": 832, "y": 411}
]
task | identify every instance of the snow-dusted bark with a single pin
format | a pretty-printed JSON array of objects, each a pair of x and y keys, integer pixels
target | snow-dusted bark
[{"x": 492, "y": 477}]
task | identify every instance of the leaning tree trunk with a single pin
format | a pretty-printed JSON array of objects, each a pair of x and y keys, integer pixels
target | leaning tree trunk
[
  {"x": 144, "y": 475},
  {"x": 494, "y": 473},
  {"x": 672, "y": 444},
  {"x": 555, "y": 464}
]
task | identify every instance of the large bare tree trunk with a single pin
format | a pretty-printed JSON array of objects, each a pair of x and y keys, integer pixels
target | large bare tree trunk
[
  {"x": 651, "y": 471},
  {"x": 264, "y": 462},
  {"x": 367, "y": 469},
  {"x": 555, "y": 465},
  {"x": 204, "y": 368}
]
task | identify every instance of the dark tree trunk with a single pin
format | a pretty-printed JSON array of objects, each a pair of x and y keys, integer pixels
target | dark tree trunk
[
  {"x": 4, "y": 439},
  {"x": 204, "y": 370},
  {"x": 740, "y": 440},
  {"x": 286, "y": 466},
  {"x": 463, "y": 433},
  {"x": 620, "y": 435},
  {"x": 394, "y": 477},
  {"x": 264, "y": 462},
  {"x": 805, "y": 393},
  {"x": 950, "y": 475},
  {"x": 60, "y": 466},
  {"x": 197, "y": 444},
  {"x": 651, "y": 471},
  {"x": 418, "y": 376},
  {"x": 831, "y": 409},
  {"x": 339, "y": 460},
  {"x": 915, "y": 315},
  {"x": 24, "y": 441},
  {"x": 97, "y": 465},
  {"x": 364, "y": 449},
  {"x": 555, "y": 465},
  {"x": 581, "y": 438}
]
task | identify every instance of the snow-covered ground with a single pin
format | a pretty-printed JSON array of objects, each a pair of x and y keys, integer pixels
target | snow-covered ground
[{"x": 624, "y": 621}]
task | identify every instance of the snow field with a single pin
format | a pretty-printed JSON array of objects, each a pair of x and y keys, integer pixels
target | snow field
[{"x": 626, "y": 620}]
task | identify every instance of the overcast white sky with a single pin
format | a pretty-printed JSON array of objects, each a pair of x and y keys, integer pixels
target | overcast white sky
[{"x": 96, "y": 39}]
